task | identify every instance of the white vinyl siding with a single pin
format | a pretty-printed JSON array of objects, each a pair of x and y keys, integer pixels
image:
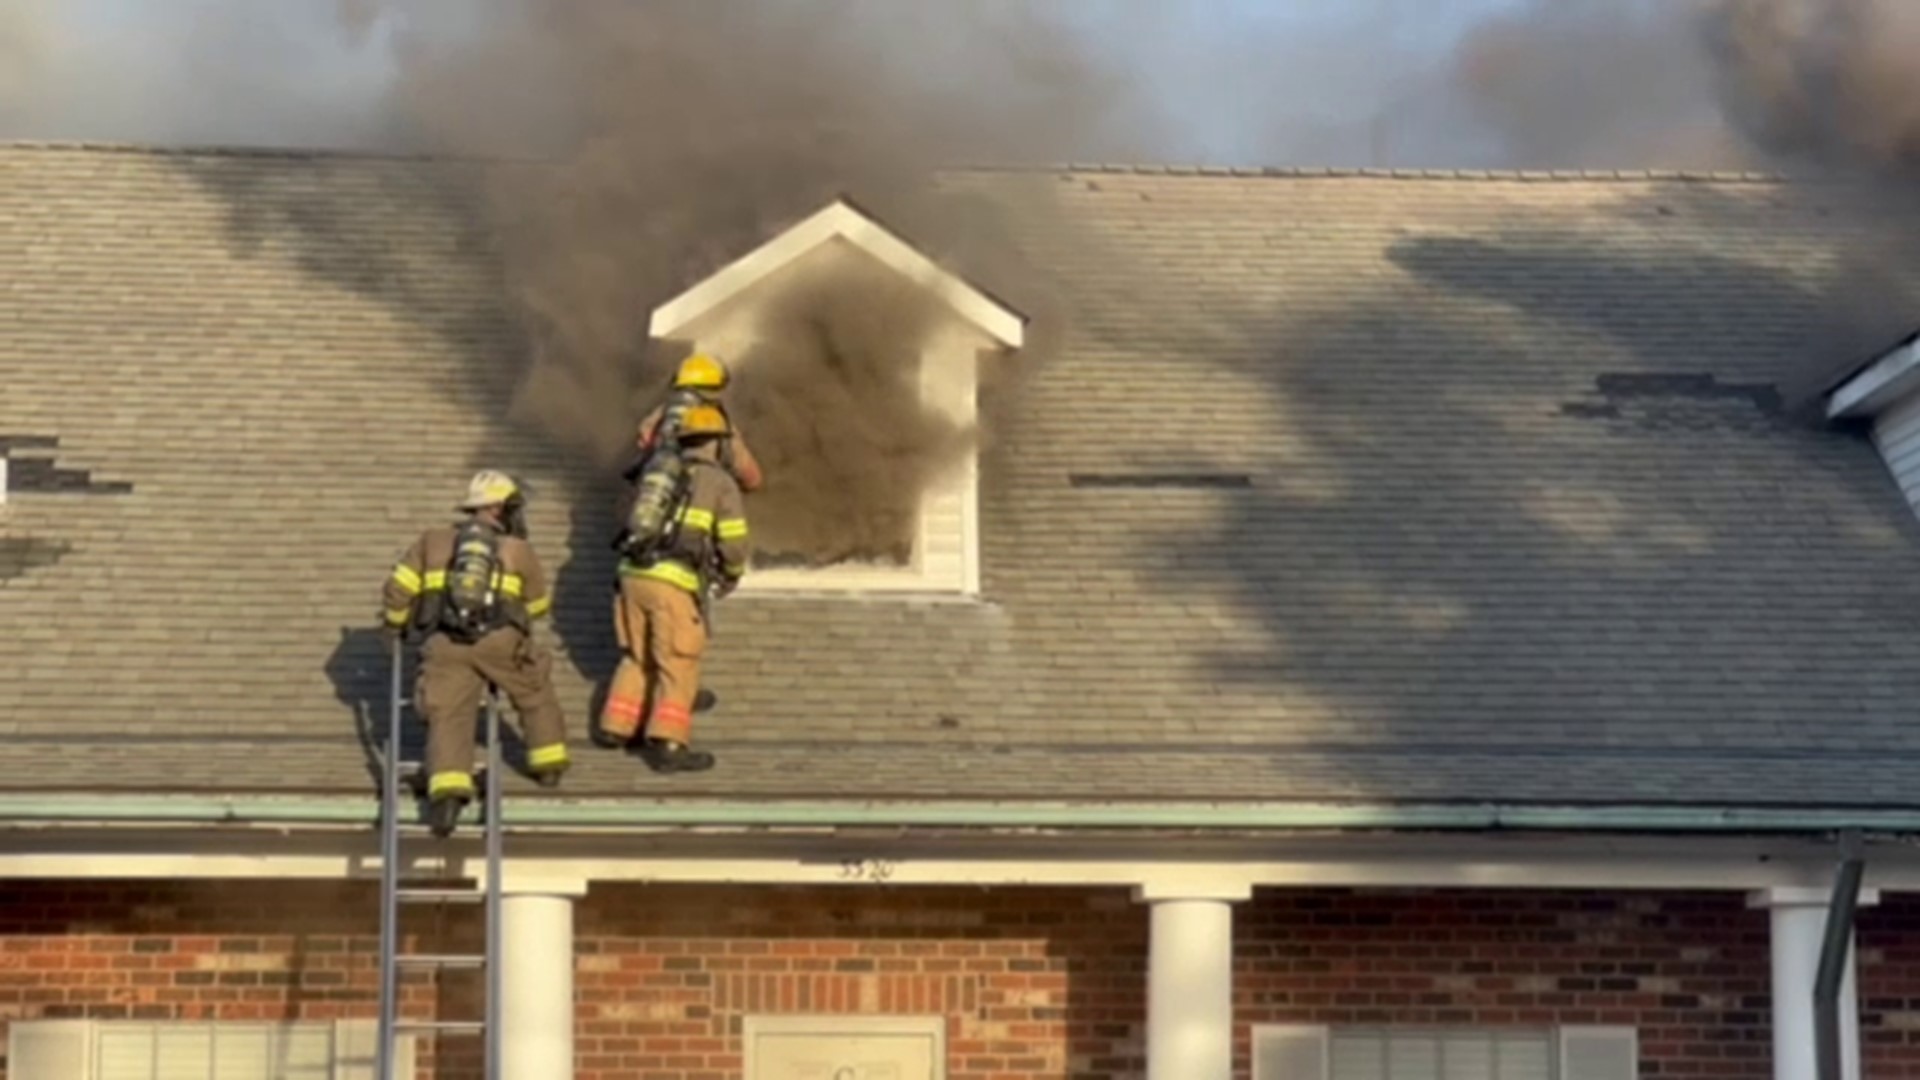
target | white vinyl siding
[
  {"x": 137, "y": 1050},
  {"x": 1300, "y": 1052},
  {"x": 1897, "y": 433}
]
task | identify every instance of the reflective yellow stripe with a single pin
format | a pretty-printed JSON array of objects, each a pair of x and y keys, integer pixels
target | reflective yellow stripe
[
  {"x": 396, "y": 616},
  {"x": 672, "y": 573},
  {"x": 407, "y": 578},
  {"x": 436, "y": 579},
  {"x": 449, "y": 783},
  {"x": 546, "y": 757},
  {"x": 733, "y": 529},
  {"x": 537, "y": 608},
  {"x": 509, "y": 584},
  {"x": 701, "y": 520}
]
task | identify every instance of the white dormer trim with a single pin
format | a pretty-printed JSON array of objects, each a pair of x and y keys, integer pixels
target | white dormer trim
[
  {"x": 839, "y": 221},
  {"x": 1893, "y": 376},
  {"x": 725, "y": 314},
  {"x": 1886, "y": 393}
]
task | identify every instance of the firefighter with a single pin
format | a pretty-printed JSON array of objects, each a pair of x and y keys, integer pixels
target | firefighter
[
  {"x": 472, "y": 590},
  {"x": 698, "y": 381},
  {"x": 660, "y": 612}
]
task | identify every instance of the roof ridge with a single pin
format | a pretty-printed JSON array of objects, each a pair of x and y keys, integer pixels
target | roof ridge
[
  {"x": 1721, "y": 176},
  {"x": 345, "y": 153},
  {"x": 1391, "y": 173}
]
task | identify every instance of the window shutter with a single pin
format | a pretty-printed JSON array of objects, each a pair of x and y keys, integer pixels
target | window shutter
[
  {"x": 1599, "y": 1053},
  {"x": 127, "y": 1052},
  {"x": 239, "y": 1051},
  {"x": 1289, "y": 1052},
  {"x": 50, "y": 1050},
  {"x": 356, "y": 1051},
  {"x": 1520, "y": 1055}
]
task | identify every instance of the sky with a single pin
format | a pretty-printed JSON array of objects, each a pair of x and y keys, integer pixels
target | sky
[{"x": 1247, "y": 81}]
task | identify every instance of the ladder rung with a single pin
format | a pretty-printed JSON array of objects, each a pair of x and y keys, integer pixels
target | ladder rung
[
  {"x": 447, "y": 1027},
  {"x": 440, "y": 960},
  {"x": 441, "y": 896}
]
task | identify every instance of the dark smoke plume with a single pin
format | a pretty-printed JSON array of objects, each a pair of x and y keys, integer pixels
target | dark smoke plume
[{"x": 677, "y": 135}]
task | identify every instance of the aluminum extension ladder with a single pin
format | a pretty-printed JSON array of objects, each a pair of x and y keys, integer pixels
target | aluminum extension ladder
[{"x": 396, "y": 894}]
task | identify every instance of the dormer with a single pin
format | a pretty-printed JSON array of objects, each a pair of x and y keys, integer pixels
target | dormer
[
  {"x": 1886, "y": 393},
  {"x": 740, "y": 312}
]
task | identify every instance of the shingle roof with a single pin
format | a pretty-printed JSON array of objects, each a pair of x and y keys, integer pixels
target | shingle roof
[{"x": 1491, "y": 495}]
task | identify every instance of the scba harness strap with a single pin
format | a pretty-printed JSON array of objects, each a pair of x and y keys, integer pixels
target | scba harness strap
[{"x": 476, "y": 599}]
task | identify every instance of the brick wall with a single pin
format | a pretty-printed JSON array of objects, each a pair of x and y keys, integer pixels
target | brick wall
[
  {"x": 238, "y": 951},
  {"x": 1034, "y": 983},
  {"x": 1691, "y": 972},
  {"x": 1889, "y": 943}
]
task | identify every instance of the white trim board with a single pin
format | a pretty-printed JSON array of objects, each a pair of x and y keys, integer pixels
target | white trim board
[
  {"x": 839, "y": 220},
  {"x": 1888, "y": 378},
  {"x": 755, "y": 1026},
  {"x": 853, "y": 863}
]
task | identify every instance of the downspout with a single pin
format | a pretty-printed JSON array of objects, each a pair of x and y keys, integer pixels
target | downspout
[{"x": 1834, "y": 949}]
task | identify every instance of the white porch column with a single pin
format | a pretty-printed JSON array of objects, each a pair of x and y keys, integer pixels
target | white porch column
[
  {"x": 1190, "y": 980},
  {"x": 1799, "y": 925},
  {"x": 536, "y": 980}
]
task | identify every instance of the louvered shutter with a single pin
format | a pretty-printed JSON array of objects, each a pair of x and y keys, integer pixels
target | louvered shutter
[
  {"x": 1599, "y": 1053},
  {"x": 1428, "y": 1054},
  {"x": 238, "y": 1051},
  {"x": 356, "y": 1051},
  {"x": 50, "y": 1050},
  {"x": 1289, "y": 1052},
  {"x": 127, "y": 1052}
]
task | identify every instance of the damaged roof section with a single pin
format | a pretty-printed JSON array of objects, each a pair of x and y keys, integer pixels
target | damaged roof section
[{"x": 1355, "y": 488}]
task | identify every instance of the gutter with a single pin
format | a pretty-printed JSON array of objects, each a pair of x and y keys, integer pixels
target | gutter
[
  {"x": 58, "y": 809},
  {"x": 1835, "y": 944}
]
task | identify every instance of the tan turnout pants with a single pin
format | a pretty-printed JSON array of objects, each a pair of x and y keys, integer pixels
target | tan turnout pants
[
  {"x": 663, "y": 636},
  {"x": 452, "y": 678}
]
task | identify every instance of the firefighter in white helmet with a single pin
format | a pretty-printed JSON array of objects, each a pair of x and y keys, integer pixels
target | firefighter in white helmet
[{"x": 472, "y": 590}]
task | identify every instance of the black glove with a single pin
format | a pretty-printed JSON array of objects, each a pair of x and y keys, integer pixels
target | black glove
[{"x": 724, "y": 586}]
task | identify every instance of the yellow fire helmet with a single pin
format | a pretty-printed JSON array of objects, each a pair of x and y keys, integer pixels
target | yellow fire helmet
[
  {"x": 703, "y": 420},
  {"x": 489, "y": 487},
  {"x": 700, "y": 372}
]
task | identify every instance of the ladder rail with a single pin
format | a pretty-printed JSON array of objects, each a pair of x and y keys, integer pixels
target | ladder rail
[
  {"x": 390, "y": 873},
  {"x": 494, "y": 829},
  {"x": 391, "y": 958}
]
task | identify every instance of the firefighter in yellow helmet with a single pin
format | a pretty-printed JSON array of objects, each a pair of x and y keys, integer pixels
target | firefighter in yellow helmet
[
  {"x": 699, "y": 380},
  {"x": 472, "y": 590},
  {"x": 659, "y": 615}
]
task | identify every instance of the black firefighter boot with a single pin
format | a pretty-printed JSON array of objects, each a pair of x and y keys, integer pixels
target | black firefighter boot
[
  {"x": 444, "y": 813},
  {"x": 668, "y": 756}
]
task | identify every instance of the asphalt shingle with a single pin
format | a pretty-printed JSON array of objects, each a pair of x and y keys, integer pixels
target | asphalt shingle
[{"x": 1499, "y": 498}]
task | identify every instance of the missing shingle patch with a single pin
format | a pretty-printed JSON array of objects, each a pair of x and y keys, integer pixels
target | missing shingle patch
[
  {"x": 1700, "y": 387},
  {"x": 42, "y": 475},
  {"x": 1660, "y": 401},
  {"x": 1160, "y": 480}
]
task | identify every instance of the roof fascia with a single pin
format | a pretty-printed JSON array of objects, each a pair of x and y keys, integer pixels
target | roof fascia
[
  {"x": 839, "y": 220},
  {"x": 535, "y": 814},
  {"x": 1889, "y": 378}
]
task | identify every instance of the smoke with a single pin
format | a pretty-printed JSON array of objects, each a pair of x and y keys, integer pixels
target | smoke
[
  {"x": 673, "y": 135},
  {"x": 1827, "y": 84},
  {"x": 678, "y": 134},
  {"x": 833, "y": 394}
]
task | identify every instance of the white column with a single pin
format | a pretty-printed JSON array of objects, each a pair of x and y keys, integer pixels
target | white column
[
  {"x": 1190, "y": 981},
  {"x": 1799, "y": 926},
  {"x": 536, "y": 982}
]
